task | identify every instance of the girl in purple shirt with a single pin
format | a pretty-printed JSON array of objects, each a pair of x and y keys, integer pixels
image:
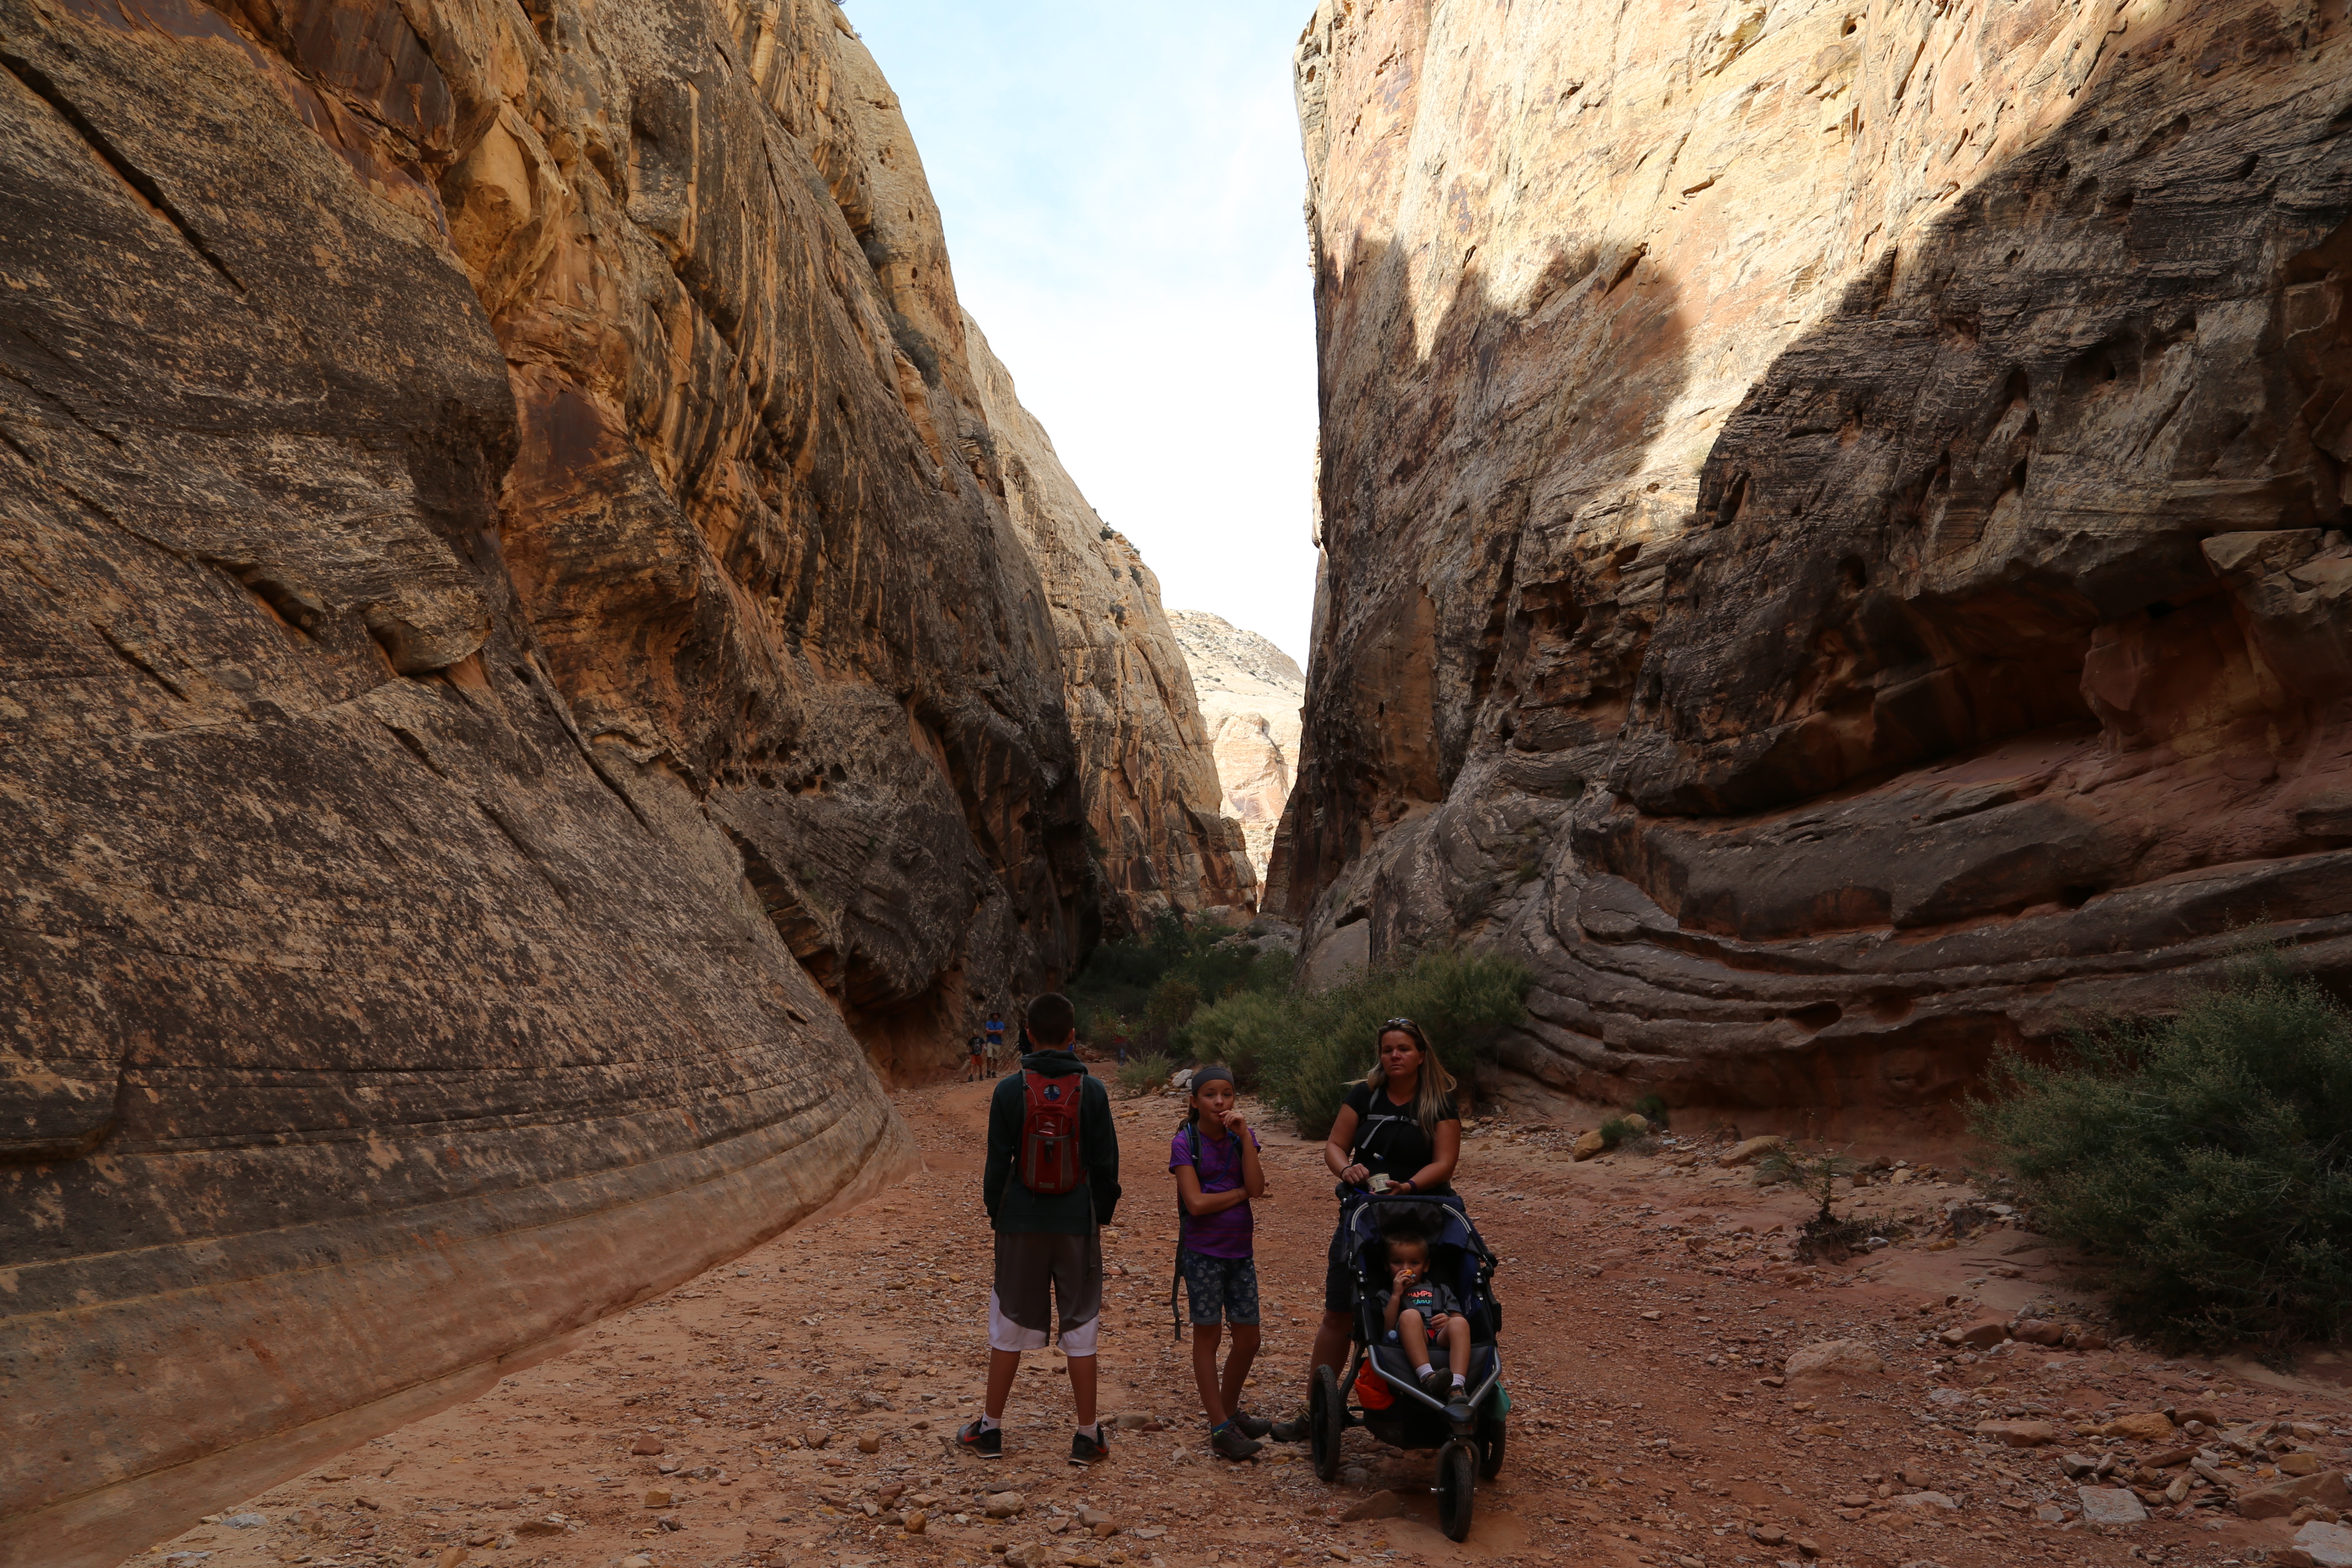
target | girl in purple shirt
[{"x": 1215, "y": 1161}]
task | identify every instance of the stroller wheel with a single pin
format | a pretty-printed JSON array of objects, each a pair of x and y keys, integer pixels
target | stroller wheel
[
  {"x": 1327, "y": 1422},
  {"x": 1458, "y": 1487},
  {"x": 1490, "y": 1446}
]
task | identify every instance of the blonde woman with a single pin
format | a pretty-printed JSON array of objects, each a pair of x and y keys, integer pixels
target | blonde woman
[{"x": 1400, "y": 1123}]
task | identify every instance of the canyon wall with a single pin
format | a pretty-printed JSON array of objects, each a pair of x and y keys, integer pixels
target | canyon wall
[
  {"x": 519, "y": 689},
  {"x": 1250, "y": 693},
  {"x": 1156, "y": 819},
  {"x": 1833, "y": 522}
]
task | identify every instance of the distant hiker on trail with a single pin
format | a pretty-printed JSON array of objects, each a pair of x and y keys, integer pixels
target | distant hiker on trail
[
  {"x": 1050, "y": 1183},
  {"x": 973, "y": 1054},
  {"x": 995, "y": 1032}
]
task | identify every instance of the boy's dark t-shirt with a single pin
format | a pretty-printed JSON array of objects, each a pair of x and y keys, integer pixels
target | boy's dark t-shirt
[
  {"x": 1013, "y": 1207},
  {"x": 1390, "y": 1141},
  {"x": 1425, "y": 1296}
]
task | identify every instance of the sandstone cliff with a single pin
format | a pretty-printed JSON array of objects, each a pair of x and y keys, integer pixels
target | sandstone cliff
[
  {"x": 1250, "y": 693},
  {"x": 1154, "y": 815},
  {"x": 1833, "y": 519},
  {"x": 520, "y": 678}
]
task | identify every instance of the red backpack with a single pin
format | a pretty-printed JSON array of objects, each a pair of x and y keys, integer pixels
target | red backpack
[{"x": 1049, "y": 1133}]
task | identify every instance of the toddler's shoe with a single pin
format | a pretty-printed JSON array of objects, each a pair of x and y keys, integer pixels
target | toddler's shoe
[
  {"x": 1290, "y": 1429},
  {"x": 1437, "y": 1384},
  {"x": 988, "y": 1442},
  {"x": 1086, "y": 1450}
]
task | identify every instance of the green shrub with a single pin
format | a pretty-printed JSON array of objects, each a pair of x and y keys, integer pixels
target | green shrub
[
  {"x": 1140, "y": 1075},
  {"x": 1814, "y": 1173},
  {"x": 1303, "y": 1052},
  {"x": 1120, "y": 980},
  {"x": 1174, "y": 1000},
  {"x": 1651, "y": 1108},
  {"x": 1615, "y": 1131},
  {"x": 2204, "y": 1159}
]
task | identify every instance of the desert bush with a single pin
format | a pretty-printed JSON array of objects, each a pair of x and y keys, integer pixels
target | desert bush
[
  {"x": 1651, "y": 1108},
  {"x": 1120, "y": 979},
  {"x": 1140, "y": 1075},
  {"x": 1615, "y": 1131},
  {"x": 1303, "y": 1051},
  {"x": 2205, "y": 1159},
  {"x": 1813, "y": 1171},
  {"x": 1173, "y": 1001}
]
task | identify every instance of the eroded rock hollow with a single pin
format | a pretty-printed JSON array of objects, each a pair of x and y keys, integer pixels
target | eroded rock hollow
[
  {"x": 1834, "y": 520},
  {"x": 521, "y": 688}
]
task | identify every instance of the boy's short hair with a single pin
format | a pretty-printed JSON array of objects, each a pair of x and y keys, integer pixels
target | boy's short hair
[{"x": 1052, "y": 1019}]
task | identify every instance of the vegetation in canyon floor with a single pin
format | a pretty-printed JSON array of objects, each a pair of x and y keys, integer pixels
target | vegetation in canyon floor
[
  {"x": 1198, "y": 991},
  {"x": 1305, "y": 1050},
  {"x": 2204, "y": 1158}
]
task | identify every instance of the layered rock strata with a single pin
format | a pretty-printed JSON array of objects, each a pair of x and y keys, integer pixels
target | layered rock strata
[
  {"x": 519, "y": 683},
  {"x": 1250, "y": 693},
  {"x": 1832, "y": 519},
  {"x": 1158, "y": 824}
]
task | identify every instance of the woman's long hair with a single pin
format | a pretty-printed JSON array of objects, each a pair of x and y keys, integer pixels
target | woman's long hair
[{"x": 1435, "y": 1082}]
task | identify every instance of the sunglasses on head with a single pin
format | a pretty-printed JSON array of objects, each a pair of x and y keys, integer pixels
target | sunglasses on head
[{"x": 1399, "y": 1023}]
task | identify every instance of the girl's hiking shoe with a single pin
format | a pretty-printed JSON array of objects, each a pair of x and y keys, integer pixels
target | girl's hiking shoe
[
  {"x": 1229, "y": 1442},
  {"x": 1086, "y": 1450},
  {"x": 1292, "y": 1430},
  {"x": 988, "y": 1442},
  {"x": 1252, "y": 1425}
]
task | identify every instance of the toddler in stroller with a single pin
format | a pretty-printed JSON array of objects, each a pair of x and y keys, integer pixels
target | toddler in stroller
[{"x": 1462, "y": 1419}]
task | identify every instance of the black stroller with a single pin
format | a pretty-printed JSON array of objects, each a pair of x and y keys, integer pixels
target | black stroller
[{"x": 1467, "y": 1450}]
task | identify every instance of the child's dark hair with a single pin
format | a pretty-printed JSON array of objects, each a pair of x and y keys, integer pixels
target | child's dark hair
[{"x": 1215, "y": 1072}]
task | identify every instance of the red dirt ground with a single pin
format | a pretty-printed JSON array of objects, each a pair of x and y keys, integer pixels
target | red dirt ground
[{"x": 1642, "y": 1321}]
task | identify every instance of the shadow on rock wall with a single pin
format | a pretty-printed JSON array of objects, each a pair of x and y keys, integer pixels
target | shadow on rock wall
[
  {"x": 1479, "y": 550},
  {"x": 1999, "y": 674}
]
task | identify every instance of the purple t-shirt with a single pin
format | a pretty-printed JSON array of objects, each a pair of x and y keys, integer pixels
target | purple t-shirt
[{"x": 1225, "y": 1234}]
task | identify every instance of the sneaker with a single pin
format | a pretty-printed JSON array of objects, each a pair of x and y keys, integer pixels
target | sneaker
[
  {"x": 1457, "y": 1401},
  {"x": 1086, "y": 1450},
  {"x": 1292, "y": 1430},
  {"x": 1435, "y": 1384},
  {"x": 988, "y": 1442},
  {"x": 1252, "y": 1425},
  {"x": 1229, "y": 1442}
]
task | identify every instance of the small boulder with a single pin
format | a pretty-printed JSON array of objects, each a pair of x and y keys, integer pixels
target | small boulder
[
  {"x": 916, "y": 1521},
  {"x": 1982, "y": 1334},
  {"x": 1924, "y": 1502},
  {"x": 2281, "y": 1498},
  {"x": 1379, "y": 1505},
  {"x": 1004, "y": 1505},
  {"x": 2076, "y": 1467},
  {"x": 2323, "y": 1545},
  {"x": 2143, "y": 1426},
  {"x": 1833, "y": 1358},
  {"x": 646, "y": 1445},
  {"x": 2110, "y": 1505},
  {"x": 2037, "y": 1331},
  {"x": 1587, "y": 1145},
  {"x": 2018, "y": 1434},
  {"x": 658, "y": 1497},
  {"x": 2288, "y": 1464},
  {"x": 1636, "y": 1122},
  {"x": 1749, "y": 1149},
  {"x": 869, "y": 1442}
]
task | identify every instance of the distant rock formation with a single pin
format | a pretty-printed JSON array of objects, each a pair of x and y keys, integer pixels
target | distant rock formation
[
  {"x": 1152, "y": 803},
  {"x": 520, "y": 687},
  {"x": 1250, "y": 693},
  {"x": 1833, "y": 522}
]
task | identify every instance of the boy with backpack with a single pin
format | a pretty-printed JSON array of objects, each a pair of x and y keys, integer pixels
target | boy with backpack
[{"x": 1050, "y": 1183}]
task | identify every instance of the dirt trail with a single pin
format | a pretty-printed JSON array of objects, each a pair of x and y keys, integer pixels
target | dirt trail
[{"x": 1647, "y": 1307}]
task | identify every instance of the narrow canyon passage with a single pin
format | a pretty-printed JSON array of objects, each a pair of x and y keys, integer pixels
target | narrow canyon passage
[{"x": 1649, "y": 1307}]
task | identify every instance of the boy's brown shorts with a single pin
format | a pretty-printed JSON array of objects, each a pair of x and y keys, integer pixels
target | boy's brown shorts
[{"x": 1037, "y": 1271}]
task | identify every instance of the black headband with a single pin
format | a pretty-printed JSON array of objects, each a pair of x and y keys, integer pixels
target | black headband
[{"x": 1209, "y": 1075}]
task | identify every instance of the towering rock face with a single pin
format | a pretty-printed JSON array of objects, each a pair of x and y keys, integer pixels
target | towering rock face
[
  {"x": 1250, "y": 692},
  {"x": 1833, "y": 519},
  {"x": 517, "y": 679},
  {"x": 1155, "y": 818}
]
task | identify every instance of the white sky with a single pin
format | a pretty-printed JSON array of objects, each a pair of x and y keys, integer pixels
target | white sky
[{"x": 1121, "y": 188}]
